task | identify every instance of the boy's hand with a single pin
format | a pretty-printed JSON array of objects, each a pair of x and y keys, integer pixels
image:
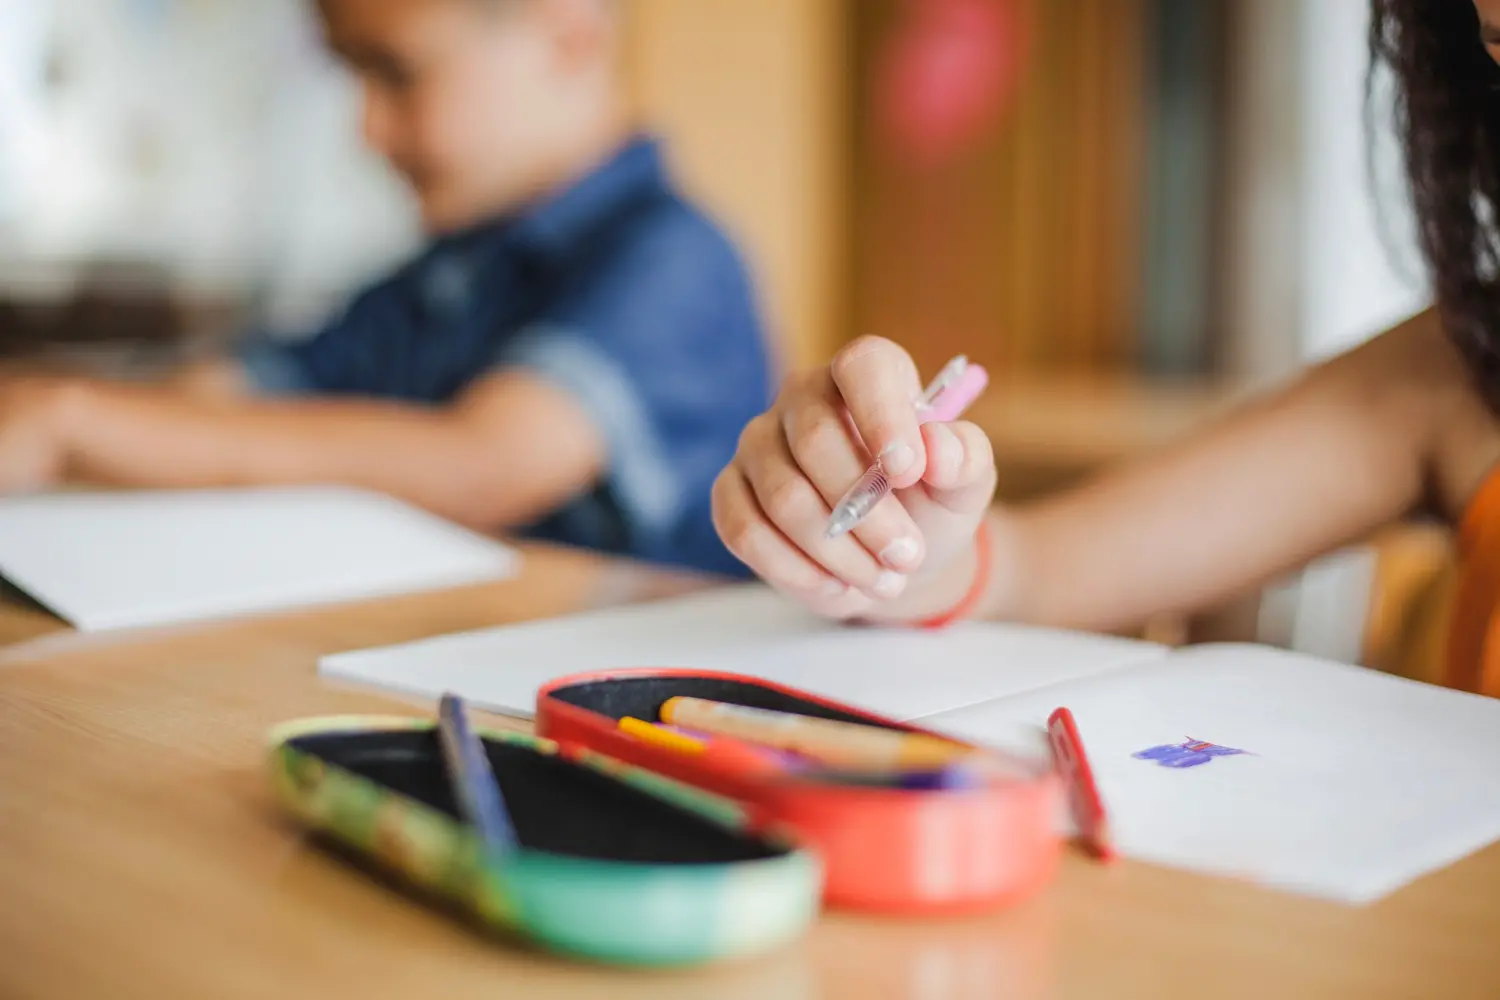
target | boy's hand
[
  {"x": 32, "y": 451},
  {"x": 772, "y": 505}
]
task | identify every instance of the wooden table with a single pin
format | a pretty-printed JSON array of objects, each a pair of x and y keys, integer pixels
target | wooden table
[{"x": 141, "y": 854}]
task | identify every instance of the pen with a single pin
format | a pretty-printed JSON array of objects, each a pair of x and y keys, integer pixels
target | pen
[
  {"x": 715, "y": 752},
  {"x": 836, "y": 744},
  {"x": 945, "y": 399},
  {"x": 474, "y": 784},
  {"x": 784, "y": 758}
]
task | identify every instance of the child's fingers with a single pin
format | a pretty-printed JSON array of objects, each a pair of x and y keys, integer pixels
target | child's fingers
[
  {"x": 825, "y": 451},
  {"x": 849, "y": 605},
  {"x": 797, "y": 509},
  {"x": 757, "y": 543},
  {"x": 960, "y": 472},
  {"x": 878, "y": 383}
]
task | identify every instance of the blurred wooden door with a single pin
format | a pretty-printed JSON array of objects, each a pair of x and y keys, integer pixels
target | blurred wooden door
[{"x": 1024, "y": 251}]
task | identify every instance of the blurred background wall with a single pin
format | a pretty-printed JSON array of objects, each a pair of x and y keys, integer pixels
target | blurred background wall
[
  {"x": 1062, "y": 186},
  {"x": 1131, "y": 210}
]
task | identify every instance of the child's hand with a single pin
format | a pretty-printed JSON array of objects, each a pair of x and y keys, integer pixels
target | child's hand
[{"x": 772, "y": 505}]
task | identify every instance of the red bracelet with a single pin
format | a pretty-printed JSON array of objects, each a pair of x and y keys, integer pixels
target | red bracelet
[{"x": 985, "y": 566}]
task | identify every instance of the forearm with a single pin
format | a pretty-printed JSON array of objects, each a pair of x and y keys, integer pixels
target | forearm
[
  {"x": 434, "y": 458},
  {"x": 1178, "y": 535},
  {"x": 215, "y": 380},
  {"x": 1292, "y": 477}
]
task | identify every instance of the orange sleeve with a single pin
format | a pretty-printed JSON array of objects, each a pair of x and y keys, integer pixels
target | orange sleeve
[{"x": 1473, "y": 658}]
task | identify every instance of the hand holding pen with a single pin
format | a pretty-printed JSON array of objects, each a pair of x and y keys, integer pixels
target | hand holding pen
[
  {"x": 775, "y": 505},
  {"x": 949, "y": 395}
]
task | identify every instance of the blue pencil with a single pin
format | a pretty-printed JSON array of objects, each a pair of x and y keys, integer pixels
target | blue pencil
[{"x": 474, "y": 783}]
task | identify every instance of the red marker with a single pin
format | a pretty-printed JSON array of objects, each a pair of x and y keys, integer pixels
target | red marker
[{"x": 1083, "y": 793}]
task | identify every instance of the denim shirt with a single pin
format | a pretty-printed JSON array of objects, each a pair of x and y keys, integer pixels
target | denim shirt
[{"x": 615, "y": 290}]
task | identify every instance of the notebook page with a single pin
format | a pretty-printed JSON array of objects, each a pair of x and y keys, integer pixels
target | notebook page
[
  {"x": 1352, "y": 783},
  {"x": 116, "y": 560},
  {"x": 745, "y": 629}
]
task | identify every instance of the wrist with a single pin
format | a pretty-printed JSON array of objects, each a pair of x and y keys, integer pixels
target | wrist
[
  {"x": 979, "y": 583},
  {"x": 939, "y": 591},
  {"x": 984, "y": 582},
  {"x": 1005, "y": 597},
  {"x": 962, "y": 587}
]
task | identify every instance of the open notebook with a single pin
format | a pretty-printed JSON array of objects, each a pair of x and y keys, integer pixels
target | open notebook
[
  {"x": 144, "y": 558},
  {"x": 1296, "y": 773}
]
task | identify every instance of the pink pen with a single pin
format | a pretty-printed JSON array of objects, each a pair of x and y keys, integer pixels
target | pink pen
[{"x": 950, "y": 394}]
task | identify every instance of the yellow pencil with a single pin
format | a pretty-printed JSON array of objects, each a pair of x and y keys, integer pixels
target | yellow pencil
[
  {"x": 837, "y": 744},
  {"x": 652, "y": 733}
]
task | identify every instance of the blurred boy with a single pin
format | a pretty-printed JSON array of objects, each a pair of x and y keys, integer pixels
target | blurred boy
[{"x": 574, "y": 355}]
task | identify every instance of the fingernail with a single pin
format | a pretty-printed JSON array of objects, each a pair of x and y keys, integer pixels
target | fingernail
[
  {"x": 834, "y": 588},
  {"x": 889, "y": 585},
  {"x": 901, "y": 553},
  {"x": 898, "y": 458}
]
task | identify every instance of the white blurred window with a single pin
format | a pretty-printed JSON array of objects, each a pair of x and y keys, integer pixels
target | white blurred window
[
  {"x": 23, "y": 67},
  {"x": 1352, "y": 287},
  {"x": 213, "y": 138}
]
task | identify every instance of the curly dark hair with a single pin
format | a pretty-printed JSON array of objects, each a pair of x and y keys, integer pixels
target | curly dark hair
[{"x": 1447, "y": 105}]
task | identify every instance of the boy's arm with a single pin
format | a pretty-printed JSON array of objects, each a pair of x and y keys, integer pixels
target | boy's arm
[
  {"x": 215, "y": 380},
  {"x": 508, "y": 450}
]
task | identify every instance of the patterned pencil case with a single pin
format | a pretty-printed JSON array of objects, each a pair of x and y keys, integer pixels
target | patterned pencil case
[{"x": 616, "y": 864}]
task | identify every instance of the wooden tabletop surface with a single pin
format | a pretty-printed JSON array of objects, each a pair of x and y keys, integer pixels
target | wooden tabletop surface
[{"x": 141, "y": 854}]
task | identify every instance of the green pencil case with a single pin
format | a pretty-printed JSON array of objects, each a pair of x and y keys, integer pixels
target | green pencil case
[{"x": 615, "y": 864}]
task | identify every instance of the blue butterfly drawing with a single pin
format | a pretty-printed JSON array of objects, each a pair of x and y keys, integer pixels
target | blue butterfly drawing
[{"x": 1189, "y": 753}]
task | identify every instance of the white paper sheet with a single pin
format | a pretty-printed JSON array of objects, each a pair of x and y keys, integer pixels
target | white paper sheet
[
  {"x": 114, "y": 560},
  {"x": 900, "y": 673},
  {"x": 1354, "y": 784}
]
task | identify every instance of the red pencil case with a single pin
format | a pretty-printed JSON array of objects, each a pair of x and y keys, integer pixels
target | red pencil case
[{"x": 883, "y": 849}]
